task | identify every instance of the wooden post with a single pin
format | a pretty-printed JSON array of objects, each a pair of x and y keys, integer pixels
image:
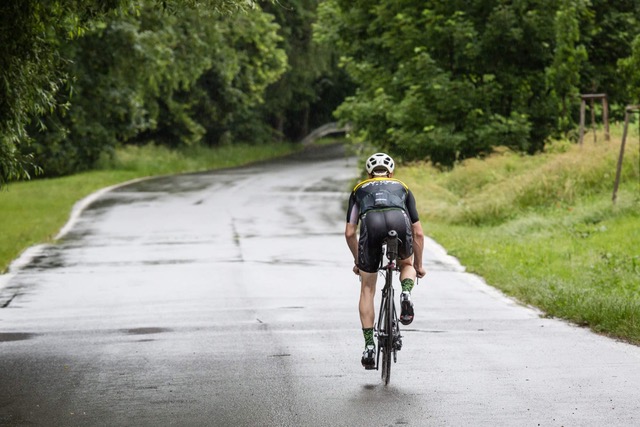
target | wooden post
[
  {"x": 582, "y": 112},
  {"x": 605, "y": 118},
  {"x": 605, "y": 114},
  {"x": 593, "y": 120},
  {"x": 628, "y": 111},
  {"x": 616, "y": 184}
]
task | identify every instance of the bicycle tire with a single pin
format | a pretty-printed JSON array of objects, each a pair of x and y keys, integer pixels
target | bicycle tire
[{"x": 387, "y": 351}]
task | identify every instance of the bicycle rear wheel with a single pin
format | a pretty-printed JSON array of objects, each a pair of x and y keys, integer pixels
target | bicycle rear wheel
[{"x": 387, "y": 349}]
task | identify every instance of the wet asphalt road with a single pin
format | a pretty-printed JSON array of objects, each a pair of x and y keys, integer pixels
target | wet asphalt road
[{"x": 226, "y": 299}]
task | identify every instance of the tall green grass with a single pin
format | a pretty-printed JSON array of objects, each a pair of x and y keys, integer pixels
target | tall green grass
[
  {"x": 151, "y": 160},
  {"x": 544, "y": 229},
  {"x": 33, "y": 212}
]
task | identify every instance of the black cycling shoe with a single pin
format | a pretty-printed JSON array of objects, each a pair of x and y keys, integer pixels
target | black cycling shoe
[
  {"x": 406, "y": 308},
  {"x": 368, "y": 357}
]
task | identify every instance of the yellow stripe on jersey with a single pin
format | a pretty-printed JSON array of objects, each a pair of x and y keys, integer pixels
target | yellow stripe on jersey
[{"x": 366, "y": 181}]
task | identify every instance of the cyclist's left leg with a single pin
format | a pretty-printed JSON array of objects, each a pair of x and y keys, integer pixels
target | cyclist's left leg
[{"x": 407, "y": 279}]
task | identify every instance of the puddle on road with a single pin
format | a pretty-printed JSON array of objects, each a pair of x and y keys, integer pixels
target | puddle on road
[
  {"x": 330, "y": 185},
  {"x": 15, "y": 336},
  {"x": 145, "y": 331},
  {"x": 188, "y": 183},
  {"x": 112, "y": 199},
  {"x": 50, "y": 258},
  {"x": 45, "y": 262},
  {"x": 75, "y": 235}
]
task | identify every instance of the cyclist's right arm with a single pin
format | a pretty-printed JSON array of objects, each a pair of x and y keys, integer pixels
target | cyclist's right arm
[
  {"x": 418, "y": 234},
  {"x": 418, "y": 247},
  {"x": 350, "y": 231},
  {"x": 412, "y": 210}
]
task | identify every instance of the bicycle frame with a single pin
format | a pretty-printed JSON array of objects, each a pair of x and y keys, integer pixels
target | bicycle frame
[{"x": 387, "y": 328}]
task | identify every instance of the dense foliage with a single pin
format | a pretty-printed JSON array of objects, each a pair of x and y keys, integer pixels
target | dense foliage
[
  {"x": 82, "y": 79},
  {"x": 437, "y": 80},
  {"x": 30, "y": 67},
  {"x": 448, "y": 80},
  {"x": 313, "y": 85},
  {"x": 151, "y": 74}
]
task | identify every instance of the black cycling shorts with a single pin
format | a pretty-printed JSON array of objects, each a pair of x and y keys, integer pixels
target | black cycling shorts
[{"x": 374, "y": 228}]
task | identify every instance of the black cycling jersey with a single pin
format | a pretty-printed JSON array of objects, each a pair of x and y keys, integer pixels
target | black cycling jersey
[
  {"x": 379, "y": 194},
  {"x": 380, "y": 205}
]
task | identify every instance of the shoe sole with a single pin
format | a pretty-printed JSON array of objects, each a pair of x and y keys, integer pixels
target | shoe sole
[
  {"x": 369, "y": 362},
  {"x": 406, "y": 313},
  {"x": 369, "y": 365}
]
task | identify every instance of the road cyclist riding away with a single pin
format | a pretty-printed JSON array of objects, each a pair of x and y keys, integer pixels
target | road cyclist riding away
[{"x": 379, "y": 204}]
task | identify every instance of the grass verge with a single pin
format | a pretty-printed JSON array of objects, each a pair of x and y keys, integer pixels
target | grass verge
[
  {"x": 544, "y": 229},
  {"x": 34, "y": 211}
]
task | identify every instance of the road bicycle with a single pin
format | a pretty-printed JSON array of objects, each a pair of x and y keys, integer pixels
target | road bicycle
[{"x": 387, "y": 328}]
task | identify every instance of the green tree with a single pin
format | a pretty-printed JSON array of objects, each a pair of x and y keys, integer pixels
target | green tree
[
  {"x": 245, "y": 58},
  {"x": 447, "y": 80},
  {"x": 425, "y": 86},
  {"x": 138, "y": 77},
  {"x": 33, "y": 70},
  {"x": 568, "y": 59},
  {"x": 630, "y": 72},
  {"x": 608, "y": 32},
  {"x": 313, "y": 85}
]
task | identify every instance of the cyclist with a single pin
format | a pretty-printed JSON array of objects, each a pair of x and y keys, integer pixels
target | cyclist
[{"x": 380, "y": 204}]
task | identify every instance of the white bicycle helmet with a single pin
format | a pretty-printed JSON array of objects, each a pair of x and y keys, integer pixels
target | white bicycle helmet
[{"x": 378, "y": 161}]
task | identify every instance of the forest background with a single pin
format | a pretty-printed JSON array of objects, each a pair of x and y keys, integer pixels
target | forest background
[
  {"x": 436, "y": 80},
  {"x": 478, "y": 98}
]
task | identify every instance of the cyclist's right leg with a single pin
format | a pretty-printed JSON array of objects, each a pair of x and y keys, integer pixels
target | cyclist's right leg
[
  {"x": 367, "y": 316},
  {"x": 407, "y": 270},
  {"x": 372, "y": 233},
  {"x": 367, "y": 293},
  {"x": 407, "y": 278}
]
